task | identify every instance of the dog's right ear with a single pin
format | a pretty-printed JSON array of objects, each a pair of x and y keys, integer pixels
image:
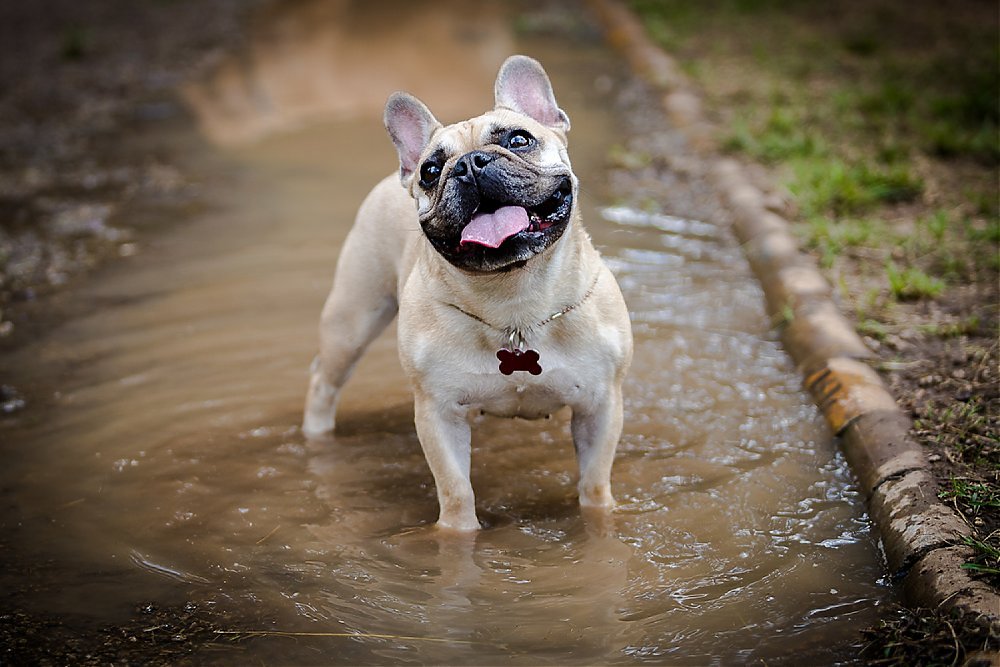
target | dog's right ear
[{"x": 411, "y": 126}]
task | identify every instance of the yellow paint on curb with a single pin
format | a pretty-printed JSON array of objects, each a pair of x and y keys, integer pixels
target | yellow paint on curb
[{"x": 846, "y": 389}]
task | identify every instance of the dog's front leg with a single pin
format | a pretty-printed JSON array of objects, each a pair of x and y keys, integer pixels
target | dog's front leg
[
  {"x": 596, "y": 429},
  {"x": 446, "y": 439}
]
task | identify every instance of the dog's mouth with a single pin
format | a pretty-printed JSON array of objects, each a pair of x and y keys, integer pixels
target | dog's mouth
[{"x": 495, "y": 224}]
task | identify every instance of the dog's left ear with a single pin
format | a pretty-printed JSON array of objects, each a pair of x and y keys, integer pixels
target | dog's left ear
[{"x": 523, "y": 86}]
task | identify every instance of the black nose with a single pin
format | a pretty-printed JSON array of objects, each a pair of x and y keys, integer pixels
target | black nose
[{"x": 469, "y": 165}]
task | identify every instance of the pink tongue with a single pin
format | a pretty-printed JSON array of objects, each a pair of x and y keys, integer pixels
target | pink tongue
[{"x": 492, "y": 229}]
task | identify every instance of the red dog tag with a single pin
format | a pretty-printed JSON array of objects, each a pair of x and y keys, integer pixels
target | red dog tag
[{"x": 518, "y": 360}]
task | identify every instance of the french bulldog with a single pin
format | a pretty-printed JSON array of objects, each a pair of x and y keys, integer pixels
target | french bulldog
[{"x": 505, "y": 307}]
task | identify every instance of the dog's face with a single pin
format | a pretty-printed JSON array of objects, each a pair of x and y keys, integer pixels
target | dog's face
[{"x": 496, "y": 190}]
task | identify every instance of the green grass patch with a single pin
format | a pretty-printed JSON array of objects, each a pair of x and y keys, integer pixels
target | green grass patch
[
  {"x": 843, "y": 102},
  {"x": 75, "y": 43},
  {"x": 623, "y": 158},
  {"x": 936, "y": 224},
  {"x": 911, "y": 283},
  {"x": 832, "y": 236},
  {"x": 833, "y": 186},
  {"x": 974, "y": 497},
  {"x": 963, "y": 428},
  {"x": 873, "y": 328},
  {"x": 985, "y": 561},
  {"x": 962, "y": 115},
  {"x": 965, "y": 327},
  {"x": 947, "y": 139},
  {"x": 990, "y": 233},
  {"x": 782, "y": 136}
]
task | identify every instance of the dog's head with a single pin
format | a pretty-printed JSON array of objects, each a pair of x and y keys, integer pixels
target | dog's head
[{"x": 496, "y": 190}]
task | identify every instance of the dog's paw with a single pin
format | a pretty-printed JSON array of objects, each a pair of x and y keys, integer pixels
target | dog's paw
[
  {"x": 597, "y": 496},
  {"x": 317, "y": 426},
  {"x": 321, "y": 405},
  {"x": 458, "y": 524}
]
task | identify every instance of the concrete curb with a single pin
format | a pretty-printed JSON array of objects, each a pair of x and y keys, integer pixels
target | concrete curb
[{"x": 922, "y": 537}]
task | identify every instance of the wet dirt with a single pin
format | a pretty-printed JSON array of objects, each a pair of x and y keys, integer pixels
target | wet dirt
[
  {"x": 75, "y": 80},
  {"x": 158, "y": 457}
]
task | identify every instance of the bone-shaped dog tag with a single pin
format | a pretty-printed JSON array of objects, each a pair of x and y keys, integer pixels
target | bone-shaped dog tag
[{"x": 519, "y": 360}]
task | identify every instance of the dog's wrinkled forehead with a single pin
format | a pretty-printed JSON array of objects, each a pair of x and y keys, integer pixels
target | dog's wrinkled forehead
[{"x": 490, "y": 129}]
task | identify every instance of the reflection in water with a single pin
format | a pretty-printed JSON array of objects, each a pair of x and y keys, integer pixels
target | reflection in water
[
  {"x": 161, "y": 458},
  {"x": 321, "y": 58}
]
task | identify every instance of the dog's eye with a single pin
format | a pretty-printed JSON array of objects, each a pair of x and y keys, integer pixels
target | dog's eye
[
  {"x": 429, "y": 173},
  {"x": 519, "y": 139}
]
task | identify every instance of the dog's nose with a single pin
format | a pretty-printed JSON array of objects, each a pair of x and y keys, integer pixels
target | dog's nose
[{"x": 469, "y": 165}]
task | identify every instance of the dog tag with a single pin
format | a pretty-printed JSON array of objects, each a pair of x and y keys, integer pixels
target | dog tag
[{"x": 518, "y": 360}]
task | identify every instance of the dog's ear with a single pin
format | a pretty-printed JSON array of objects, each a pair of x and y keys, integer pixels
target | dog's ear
[
  {"x": 523, "y": 86},
  {"x": 411, "y": 126}
]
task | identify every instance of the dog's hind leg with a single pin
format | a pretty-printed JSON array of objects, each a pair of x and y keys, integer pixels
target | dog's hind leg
[{"x": 361, "y": 304}]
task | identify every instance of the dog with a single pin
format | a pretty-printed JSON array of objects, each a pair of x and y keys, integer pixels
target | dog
[{"x": 505, "y": 307}]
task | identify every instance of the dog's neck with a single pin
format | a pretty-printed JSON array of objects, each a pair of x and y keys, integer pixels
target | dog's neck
[{"x": 522, "y": 297}]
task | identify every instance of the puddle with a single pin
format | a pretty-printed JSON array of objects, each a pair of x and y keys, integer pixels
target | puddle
[{"x": 158, "y": 458}]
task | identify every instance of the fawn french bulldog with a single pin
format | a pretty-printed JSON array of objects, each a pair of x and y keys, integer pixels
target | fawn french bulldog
[{"x": 504, "y": 305}]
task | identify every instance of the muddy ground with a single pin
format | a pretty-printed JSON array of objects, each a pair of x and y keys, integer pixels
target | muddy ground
[{"x": 77, "y": 79}]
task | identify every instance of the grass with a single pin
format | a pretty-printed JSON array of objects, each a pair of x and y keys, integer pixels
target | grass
[
  {"x": 830, "y": 236},
  {"x": 873, "y": 328},
  {"x": 928, "y": 637},
  {"x": 782, "y": 137},
  {"x": 966, "y": 326},
  {"x": 849, "y": 106},
  {"x": 974, "y": 496},
  {"x": 831, "y": 185},
  {"x": 75, "y": 43},
  {"x": 985, "y": 561},
  {"x": 963, "y": 429},
  {"x": 621, "y": 157},
  {"x": 911, "y": 282}
]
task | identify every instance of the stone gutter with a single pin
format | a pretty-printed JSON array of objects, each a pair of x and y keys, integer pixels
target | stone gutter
[{"x": 921, "y": 536}]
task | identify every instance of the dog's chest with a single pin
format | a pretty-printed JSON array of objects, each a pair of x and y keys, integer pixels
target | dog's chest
[
  {"x": 520, "y": 397},
  {"x": 521, "y": 394},
  {"x": 460, "y": 360}
]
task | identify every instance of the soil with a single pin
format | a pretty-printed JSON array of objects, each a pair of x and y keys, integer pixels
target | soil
[{"x": 153, "y": 636}]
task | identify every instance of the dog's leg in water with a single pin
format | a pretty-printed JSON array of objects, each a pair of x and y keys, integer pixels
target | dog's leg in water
[
  {"x": 343, "y": 337},
  {"x": 360, "y": 306},
  {"x": 596, "y": 430},
  {"x": 446, "y": 438}
]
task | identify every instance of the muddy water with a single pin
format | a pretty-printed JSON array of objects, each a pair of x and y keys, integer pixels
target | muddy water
[{"x": 159, "y": 458}]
